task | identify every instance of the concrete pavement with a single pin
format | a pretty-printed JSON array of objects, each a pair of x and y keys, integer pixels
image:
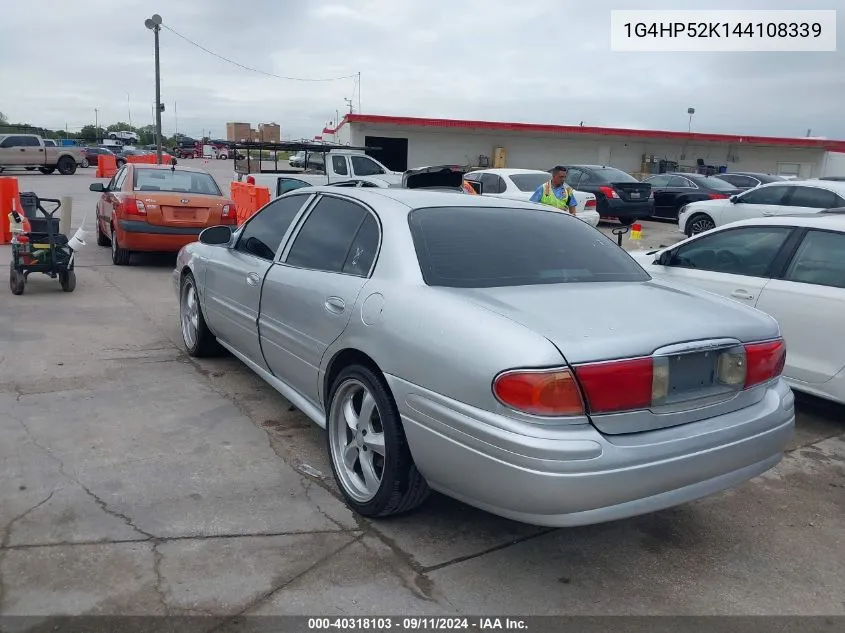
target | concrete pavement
[{"x": 134, "y": 480}]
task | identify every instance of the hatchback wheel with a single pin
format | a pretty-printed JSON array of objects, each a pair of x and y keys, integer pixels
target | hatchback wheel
[
  {"x": 102, "y": 238},
  {"x": 198, "y": 339},
  {"x": 119, "y": 255},
  {"x": 699, "y": 223},
  {"x": 369, "y": 453}
]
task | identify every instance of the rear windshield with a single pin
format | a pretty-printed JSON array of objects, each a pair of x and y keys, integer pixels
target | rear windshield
[
  {"x": 529, "y": 182},
  {"x": 712, "y": 182},
  {"x": 472, "y": 247},
  {"x": 178, "y": 180},
  {"x": 611, "y": 174}
]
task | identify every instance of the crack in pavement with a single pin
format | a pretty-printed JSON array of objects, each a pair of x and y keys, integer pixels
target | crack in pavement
[
  {"x": 158, "y": 586},
  {"x": 7, "y": 534}
]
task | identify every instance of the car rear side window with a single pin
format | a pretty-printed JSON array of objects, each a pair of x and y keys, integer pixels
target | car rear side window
[
  {"x": 472, "y": 247},
  {"x": 264, "y": 232},
  {"x": 325, "y": 240},
  {"x": 819, "y": 260},
  {"x": 813, "y": 197},
  {"x": 339, "y": 165}
]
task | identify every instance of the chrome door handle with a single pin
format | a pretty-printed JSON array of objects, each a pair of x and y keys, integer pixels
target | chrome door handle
[
  {"x": 742, "y": 294},
  {"x": 252, "y": 279},
  {"x": 335, "y": 305},
  {"x": 768, "y": 214}
]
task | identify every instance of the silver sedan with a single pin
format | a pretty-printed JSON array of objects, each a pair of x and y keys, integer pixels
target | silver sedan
[{"x": 508, "y": 356}]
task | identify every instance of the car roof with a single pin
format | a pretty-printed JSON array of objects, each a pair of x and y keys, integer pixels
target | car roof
[
  {"x": 833, "y": 219},
  {"x": 748, "y": 173},
  {"x": 195, "y": 170},
  {"x": 831, "y": 185},
  {"x": 419, "y": 198},
  {"x": 507, "y": 171}
]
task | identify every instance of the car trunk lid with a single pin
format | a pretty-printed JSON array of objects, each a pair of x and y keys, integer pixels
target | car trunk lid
[
  {"x": 602, "y": 322},
  {"x": 182, "y": 209},
  {"x": 632, "y": 191}
]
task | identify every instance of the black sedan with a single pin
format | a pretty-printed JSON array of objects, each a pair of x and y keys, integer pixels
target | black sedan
[
  {"x": 748, "y": 180},
  {"x": 618, "y": 194},
  {"x": 674, "y": 190}
]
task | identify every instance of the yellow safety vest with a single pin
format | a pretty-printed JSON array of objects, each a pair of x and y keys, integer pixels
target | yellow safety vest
[{"x": 552, "y": 200}]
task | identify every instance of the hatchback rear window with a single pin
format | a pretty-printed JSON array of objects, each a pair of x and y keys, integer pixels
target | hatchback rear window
[
  {"x": 472, "y": 247},
  {"x": 179, "y": 181}
]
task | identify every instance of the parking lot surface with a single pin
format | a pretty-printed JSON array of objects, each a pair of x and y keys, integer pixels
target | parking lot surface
[{"x": 135, "y": 480}]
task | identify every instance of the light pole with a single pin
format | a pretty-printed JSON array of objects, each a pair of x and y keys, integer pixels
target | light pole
[
  {"x": 154, "y": 24},
  {"x": 97, "y": 125},
  {"x": 690, "y": 112}
]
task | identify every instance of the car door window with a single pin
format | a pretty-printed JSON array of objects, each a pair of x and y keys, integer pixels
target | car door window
[
  {"x": 264, "y": 231},
  {"x": 658, "y": 182},
  {"x": 12, "y": 141},
  {"x": 746, "y": 251},
  {"x": 362, "y": 254},
  {"x": 681, "y": 182},
  {"x": 112, "y": 186},
  {"x": 819, "y": 260},
  {"x": 120, "y": 178},
  {"x": 339, "y": 165},
  {"x": 814, "y": 197},
  {"x": 777, "y": 195},
  {"x": 574, "y": 177},
  {"x": 289, "y": 184},
  {"x": 363, "y": 166},
  {"x": 326, "y": 237}
]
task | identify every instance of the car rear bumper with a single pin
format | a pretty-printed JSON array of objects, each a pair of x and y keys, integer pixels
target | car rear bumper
[
  {"x": 590, "y": 217},
  {"x": 141, "y": 236},
  {"x": 575, "y": 475},
  {"x": 618, "y": 208}
]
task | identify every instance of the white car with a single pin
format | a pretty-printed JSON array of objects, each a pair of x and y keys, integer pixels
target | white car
[
  {"x": 791, "y": 267},
  {"x": 520, "y": 184},
  {"x": 776, "y": 198},
  {"x": 124, "y": 135}
]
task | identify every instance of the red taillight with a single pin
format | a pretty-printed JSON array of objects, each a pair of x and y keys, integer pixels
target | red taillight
[
  {"x": 250, "y": 180},
  {"x": 133, "y": 206},
  {"x": 590, "y": 204},
  {"x": 609, "y": 192},
  {"x": 717, "y": 196},
  {"x": 765, "y": 361},
  {"x": 540, "y": 392},
  {"x": 228, "y": 214},
  {"x": 620, "y": 385}
]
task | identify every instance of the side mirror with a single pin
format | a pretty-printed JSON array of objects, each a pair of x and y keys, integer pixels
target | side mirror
[
  {"x": 665, "y": 258},
  {"x": 216, "y": 235},
  {"x": 734, "y": 199},
  {"x": 98, "y": 187}
]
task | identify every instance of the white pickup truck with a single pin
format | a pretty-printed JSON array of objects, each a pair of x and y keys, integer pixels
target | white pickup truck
[
  {"x": 336, "y": 165},
  {"x": 30, "y": 151}
]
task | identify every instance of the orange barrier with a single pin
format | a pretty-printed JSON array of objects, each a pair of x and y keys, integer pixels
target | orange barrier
[
  {"x": 149, "y": 159},
  {"x": 106, "y": 165},
  {"x": 248, "y": 199},
  {"x": 9, "y": 200}
]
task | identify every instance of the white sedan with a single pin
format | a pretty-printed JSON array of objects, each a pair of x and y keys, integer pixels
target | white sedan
[
  {"x": 776, "y": 198},
  {"x": 791, "y": 267},
  {"x": 520, "y": 184}
]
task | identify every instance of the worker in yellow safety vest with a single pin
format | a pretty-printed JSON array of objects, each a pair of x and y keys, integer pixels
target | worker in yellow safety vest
[{"x": 555, "y": 192}]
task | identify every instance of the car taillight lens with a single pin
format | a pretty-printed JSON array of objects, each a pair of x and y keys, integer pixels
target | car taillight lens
[
  {"x": 228, "y": 214},
  {"x": 765, "y": 361},
  {"x": 717, "y": 196},
  {"x": 609, "y": 192},
  {"x": 590, "y": 204},
  {"x": 540, "y": 392},
  {"x": 620, "y": 385},
  {"x": 133, "y": 206}
]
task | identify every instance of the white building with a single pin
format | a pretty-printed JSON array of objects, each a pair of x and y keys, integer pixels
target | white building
[{"x": 406, "y": 142}]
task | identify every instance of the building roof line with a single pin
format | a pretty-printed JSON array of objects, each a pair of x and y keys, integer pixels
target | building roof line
[{"x": 498, "y": 126}]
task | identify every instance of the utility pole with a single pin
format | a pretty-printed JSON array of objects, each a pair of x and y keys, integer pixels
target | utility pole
[
  {"x": 97, "y": 124},
  {"x": 129, "y": 108},
  {"x": 154, "y": 24},
  {"x": 359, "y": 92},
  {"x": 176, "y": 115}
]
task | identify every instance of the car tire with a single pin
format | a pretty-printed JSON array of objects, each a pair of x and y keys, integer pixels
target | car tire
[
  {"x": 17, "y": 282},
  {"x": 85, "y": 163},
  {"x": 46, "y": 170},
  {"x": 67, "y": 279},
  {"x": 119, "y": 255},
  {"x": 376, "y": 484},
  {"x": 113, "y": 137},
  {"x": 626, "y": 221},
  {"x": 102, "y": 238},
  {"x": 30, "y": 168},
  {"x": 198, "y": 339},
  {"x": 66, "y": 166},
  {"x": 699, "y": 223}
]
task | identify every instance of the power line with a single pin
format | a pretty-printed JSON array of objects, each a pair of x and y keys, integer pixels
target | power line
[{"x": 255, "y": 70}]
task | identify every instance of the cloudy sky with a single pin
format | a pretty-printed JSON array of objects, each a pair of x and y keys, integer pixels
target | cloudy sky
[{"x": 544, "y": 61}]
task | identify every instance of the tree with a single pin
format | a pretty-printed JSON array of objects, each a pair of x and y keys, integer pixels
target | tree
[
  {"x": 120, "y": 125},
  {"x": 91, "y": 133},
  {"x": 3, "y": 119}
]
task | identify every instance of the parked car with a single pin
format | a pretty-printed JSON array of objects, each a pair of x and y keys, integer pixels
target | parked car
[
  {"x": 833, "y": 178},
  {"x": 157, "y": 208},
  {"x": 297, "y": 160},
  {"x": 471, "y": 345},
  {"x": 22, "y": 151},
  {"x": 93, "y": 154},
  {"x": 749, "y": 180},
  {"x": 672, "y": 191},
  {"x": 618, "y": 194},
  {"x": 124, "y": 135},
  {"x": 791, "y": 267},
  {"x": 129, "y": 151},
  {"x": 520, "y": 184},
  {"x": 777, "y": 198}
]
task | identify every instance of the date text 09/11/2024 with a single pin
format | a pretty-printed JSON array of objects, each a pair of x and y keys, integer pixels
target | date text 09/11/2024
[
  {"x": 723, "y": 29},
  {"x": 412, "y": 623}
]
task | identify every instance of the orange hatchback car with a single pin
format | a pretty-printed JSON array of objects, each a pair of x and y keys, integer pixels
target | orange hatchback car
[{"x": 157, "y": 208}]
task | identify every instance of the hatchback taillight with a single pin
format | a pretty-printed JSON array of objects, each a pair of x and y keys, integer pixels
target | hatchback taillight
[
  {"x": 228, "y": 214},
  {"x": 133, "y": 206}
]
